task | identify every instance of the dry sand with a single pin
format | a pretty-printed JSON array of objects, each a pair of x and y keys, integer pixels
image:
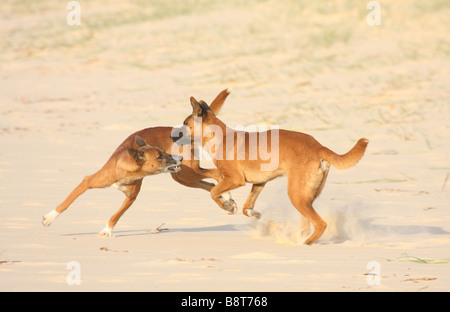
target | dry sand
[{"x": 69, "y": 95}]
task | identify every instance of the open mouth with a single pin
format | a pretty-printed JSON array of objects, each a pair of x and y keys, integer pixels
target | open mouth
[{"x": 173, "y": 168}]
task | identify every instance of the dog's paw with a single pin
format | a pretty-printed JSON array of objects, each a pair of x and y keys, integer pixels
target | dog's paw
[
  {"x": 228, "y": 203},
  {"x": 106, "y": 232},
  {"x": 50, "y": 217},
  {"x": 252, "y": 214},
  {"x": 230, "y": 206}
]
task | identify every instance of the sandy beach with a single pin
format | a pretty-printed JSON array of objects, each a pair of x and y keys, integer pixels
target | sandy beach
[{"x": 69, "y": 95}]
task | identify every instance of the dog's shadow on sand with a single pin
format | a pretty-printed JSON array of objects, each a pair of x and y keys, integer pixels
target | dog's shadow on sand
[
  {"x": 365, "y": 227},
  {"x": 127, "y": 233}
]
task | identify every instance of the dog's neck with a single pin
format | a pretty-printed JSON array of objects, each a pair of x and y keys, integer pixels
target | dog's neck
[{"x": 214, "y": 138}]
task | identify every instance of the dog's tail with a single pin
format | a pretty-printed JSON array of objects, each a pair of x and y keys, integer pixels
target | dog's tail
[
  {"x": 217, "y": 104},
  {"x": 347, "y": 160}
]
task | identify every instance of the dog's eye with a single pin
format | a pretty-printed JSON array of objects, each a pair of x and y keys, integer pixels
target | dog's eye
[{"x": 160, "y": 157}]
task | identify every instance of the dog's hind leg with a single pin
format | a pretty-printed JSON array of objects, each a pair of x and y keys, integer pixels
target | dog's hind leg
[
  {"x": 307, "y": 210},
  {"x": 250, "y": 202},
  {"x": 305, "y": 226},
  {"x": 303, "y": 204},
  {"x": 100, "y": 179},
  {"x": 131, "y": 191},
  {"x": 302, "y": 192},
  {"x": 323, "y": 170}
]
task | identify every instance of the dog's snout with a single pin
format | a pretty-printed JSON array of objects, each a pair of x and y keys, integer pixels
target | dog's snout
[
  {"x": 177, "y": 159},
  {"x": 173, "y": 164},
  {"x": 175, "y": 136},
  {"x": 180, "y": 135}
]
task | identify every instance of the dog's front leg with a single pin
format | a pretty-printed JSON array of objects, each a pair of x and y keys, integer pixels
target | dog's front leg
[
  {"x": 250, "y": 203},
  {"x": 131, "y": 191},
  {"x": 206, "y": 173},
  {"x": 227, "y": 184},
  {"x": 193, "y": 178}
]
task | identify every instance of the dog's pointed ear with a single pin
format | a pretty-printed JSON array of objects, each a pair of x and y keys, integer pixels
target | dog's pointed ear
[
  {"x": 205, "y": 108},
  {"x": 217, "y": 104},
  {"x": 140, "y": 141},
  {"x": 196, "y": 108},
  {"x": 138, "y": 156},
  {"x": 204, "y": 105}
]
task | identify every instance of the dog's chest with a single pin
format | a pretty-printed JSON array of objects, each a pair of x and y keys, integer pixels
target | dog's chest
[{"x": 120, "y": 186}]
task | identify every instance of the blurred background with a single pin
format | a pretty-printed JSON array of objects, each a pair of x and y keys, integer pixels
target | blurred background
[{"x": 313, "y": 60}]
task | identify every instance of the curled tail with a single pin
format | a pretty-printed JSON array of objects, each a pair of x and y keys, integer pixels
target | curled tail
[{"x": 347, "y": 160}]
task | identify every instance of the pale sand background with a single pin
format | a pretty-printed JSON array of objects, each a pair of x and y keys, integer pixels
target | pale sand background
[{"x": 70, "y": 95}]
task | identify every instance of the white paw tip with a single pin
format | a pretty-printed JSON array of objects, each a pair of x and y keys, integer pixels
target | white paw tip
[
  {"x": 50, "y": 217},
  {"x": 106, "y": 232}
]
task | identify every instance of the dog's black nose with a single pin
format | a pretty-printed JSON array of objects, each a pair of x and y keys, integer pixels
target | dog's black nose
[
  {"x": 177, "y": 158},
  {"x": 180, "y": 136},
  {"x": 177, "y": 134},
  {"x": 175, "y": 138}
]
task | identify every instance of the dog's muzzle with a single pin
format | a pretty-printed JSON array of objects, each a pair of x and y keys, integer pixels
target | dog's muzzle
[
  {"x": 180, "y": 136},
  {"x": 173, "y": 165}
]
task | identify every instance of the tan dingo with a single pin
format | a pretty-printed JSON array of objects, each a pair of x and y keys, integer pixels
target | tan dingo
[
  {"x": 299, "y": 156},
  {"x": 134, "y": 159}
]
